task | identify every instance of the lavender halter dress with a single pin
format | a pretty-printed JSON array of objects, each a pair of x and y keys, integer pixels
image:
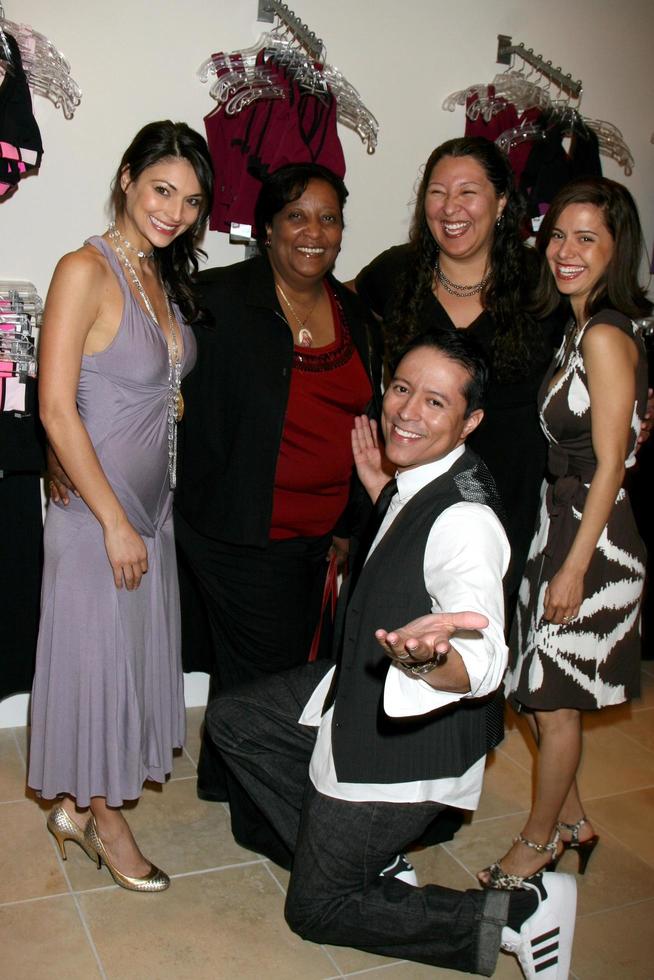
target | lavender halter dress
[{"x": 108, "y": 701}]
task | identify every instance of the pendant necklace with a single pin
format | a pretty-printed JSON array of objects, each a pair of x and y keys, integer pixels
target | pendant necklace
[
  {"x": 304, "y": 337},
  {"x": 458, "y": 289},
  {"x": 175, "y": 408}
]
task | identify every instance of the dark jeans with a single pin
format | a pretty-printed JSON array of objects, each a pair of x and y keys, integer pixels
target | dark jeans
[
  {"x": 336, "y": 894},
  {"x": 262, "y": 607}
]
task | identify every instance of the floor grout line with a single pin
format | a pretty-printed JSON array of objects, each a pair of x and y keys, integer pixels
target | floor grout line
[
  {"x": 19, "y": 747},
  {"x": 636, "y": 741},
  {"x": 221, "y": 867},
  {"x": 89, "y": 937},
  {"x": 617, "y": 908},
  {"x": 77, "y": 895}
]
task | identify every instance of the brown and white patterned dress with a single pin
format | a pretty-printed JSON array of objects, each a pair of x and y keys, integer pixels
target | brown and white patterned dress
[{"x": 594, "y": 660}]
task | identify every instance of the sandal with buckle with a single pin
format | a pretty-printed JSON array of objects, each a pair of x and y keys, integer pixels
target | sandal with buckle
[
  {"x": 499, "y": 878},
  {"x": 583, "y": 848}
]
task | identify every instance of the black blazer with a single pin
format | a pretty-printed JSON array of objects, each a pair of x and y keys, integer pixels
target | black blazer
[{"x": 236, "y": 396}]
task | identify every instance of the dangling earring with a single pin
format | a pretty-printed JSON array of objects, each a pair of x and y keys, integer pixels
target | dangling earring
[
  {"x": 499, "y": 220},
  {"x": 267, "y": 243}
]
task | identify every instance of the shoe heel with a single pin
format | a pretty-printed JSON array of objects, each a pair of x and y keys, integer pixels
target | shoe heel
[
  {"x": 61, "y": 841},
  {"x": 63, "y": 828},
  {"x": 584, "y": 850}
]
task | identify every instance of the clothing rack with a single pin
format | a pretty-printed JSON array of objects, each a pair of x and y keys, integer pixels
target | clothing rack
[
  {"x": 506, "y": 50},
  {"x": 269, "y": 9},
  {"x": 21, "y": 309}
]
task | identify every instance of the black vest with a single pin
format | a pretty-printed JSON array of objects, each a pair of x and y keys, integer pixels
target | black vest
[{"x": 367, "y": 745}]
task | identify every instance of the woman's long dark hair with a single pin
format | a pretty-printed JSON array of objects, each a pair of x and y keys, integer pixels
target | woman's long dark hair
[
  {"x": 178, "y": 262},
  {"x": 504, "y": 293},
  {"x": 618, "y": 289}
]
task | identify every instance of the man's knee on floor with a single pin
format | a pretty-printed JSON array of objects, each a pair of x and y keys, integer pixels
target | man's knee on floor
[{"x": 304, "y": 912}]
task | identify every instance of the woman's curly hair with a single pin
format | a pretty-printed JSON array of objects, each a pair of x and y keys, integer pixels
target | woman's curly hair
[{"x": 504, "y": 295}]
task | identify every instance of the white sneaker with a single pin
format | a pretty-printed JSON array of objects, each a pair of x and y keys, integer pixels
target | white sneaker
[
  {"x": 401, "y": 868},
  {"x": 544, "y": 943}
]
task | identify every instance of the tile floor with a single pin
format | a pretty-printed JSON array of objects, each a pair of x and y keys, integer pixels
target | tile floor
[{"x": 222, "y": 917}]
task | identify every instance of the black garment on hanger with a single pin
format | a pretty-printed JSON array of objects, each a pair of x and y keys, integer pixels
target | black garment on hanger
[{"x": 549, "y": 167}]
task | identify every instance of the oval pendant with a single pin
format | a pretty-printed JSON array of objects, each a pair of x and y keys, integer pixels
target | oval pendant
[
  {"x": 304, "y": 338},
  {"x": 179, "y": 407}
]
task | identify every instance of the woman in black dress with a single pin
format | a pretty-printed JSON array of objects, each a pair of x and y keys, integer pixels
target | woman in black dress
[{"x": 465, "y": 267}]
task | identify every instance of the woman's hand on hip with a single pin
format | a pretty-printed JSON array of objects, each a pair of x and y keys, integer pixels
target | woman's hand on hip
[{"x": 127, "y": 555}]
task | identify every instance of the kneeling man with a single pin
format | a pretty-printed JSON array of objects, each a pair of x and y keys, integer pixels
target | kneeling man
[{"x": 352, "y": 763}]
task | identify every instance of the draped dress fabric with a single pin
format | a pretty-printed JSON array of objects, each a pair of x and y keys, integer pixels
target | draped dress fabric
[
  {"x": 594, "y": 660},
  {"x": 107, "y": 701}
]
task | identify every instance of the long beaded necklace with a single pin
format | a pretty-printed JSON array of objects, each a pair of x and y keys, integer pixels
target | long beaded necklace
[
  {"x": 304, "y": 337},
  {"x": 175, "y": 408},
  {"x": 116, "y": 236},
  {"x": 458, "y": 289}
]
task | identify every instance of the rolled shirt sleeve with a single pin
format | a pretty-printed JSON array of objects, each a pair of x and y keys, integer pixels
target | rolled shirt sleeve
[{"x": 466, "y": 558}]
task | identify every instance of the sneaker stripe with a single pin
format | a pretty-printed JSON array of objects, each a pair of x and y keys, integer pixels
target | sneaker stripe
[
  {"x": 545, "y": 936},
  {"x": 552, "y": 948},
  {"x": 547, "y": 964}
]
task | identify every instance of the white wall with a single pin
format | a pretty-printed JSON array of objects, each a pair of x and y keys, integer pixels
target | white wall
[{"x": 136, "y": 60}]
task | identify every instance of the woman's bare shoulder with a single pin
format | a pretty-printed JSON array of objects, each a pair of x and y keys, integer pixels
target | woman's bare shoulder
[{"x": 86, "y": 264}]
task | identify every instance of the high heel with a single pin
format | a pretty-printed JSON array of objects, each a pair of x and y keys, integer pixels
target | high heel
[
  {"x": 155, "y": 881},
  {"x": 63, "y": 828},
  {"x": 583, "y": 848},
  {"x": 499, "y": 878}
]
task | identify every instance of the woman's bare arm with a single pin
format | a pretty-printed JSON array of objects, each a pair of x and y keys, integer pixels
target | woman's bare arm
[
  {"x": 75, "y": 305},
  {"x": 610, "y": 359}
]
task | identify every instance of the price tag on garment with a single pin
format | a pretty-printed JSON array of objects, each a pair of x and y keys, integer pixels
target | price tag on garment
[{"x": 240, "y": 233}]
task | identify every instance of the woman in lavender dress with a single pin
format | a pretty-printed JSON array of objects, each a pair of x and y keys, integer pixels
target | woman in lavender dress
[{"x": 107, "y": 702}]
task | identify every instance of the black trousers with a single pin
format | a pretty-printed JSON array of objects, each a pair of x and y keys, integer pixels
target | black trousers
[
  {"x": 336, "y": 894},
  {"x": 262, "y": 607}
]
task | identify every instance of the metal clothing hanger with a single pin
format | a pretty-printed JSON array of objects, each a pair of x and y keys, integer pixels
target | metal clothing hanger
[{"x": 291, "y": 47}]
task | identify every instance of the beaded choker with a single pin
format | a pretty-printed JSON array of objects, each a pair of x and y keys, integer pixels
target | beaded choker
[
  {"x": 116, "y": 238},
  {"x": 458, "y": 289}
]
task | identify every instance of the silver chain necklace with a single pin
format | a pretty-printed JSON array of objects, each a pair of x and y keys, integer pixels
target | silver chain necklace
[
  {"x": 117, "y": 238},
  {"x": 175, "y": 409},
  {"x": 458, "y": 289}
]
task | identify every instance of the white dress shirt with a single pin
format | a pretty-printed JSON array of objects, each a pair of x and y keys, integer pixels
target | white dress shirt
[{"x": 466, "y": 557}]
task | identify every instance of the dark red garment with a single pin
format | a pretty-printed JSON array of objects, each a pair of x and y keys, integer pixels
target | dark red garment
[
  {"x": 507, "y": 118},
  {"x": 329, "y": 386},
  {"x": 264, "y": 136}
]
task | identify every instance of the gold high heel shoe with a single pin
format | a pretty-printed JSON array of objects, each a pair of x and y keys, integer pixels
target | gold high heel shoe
[
  {"x": 63, "y": 828},
  {"x": 155, "y": 881}
]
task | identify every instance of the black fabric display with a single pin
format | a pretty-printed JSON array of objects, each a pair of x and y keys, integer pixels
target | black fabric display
[
  {"x": 549, "y": 167},
  {"x": 18, "y": 127},
  {"x": 21, "y": 544}
]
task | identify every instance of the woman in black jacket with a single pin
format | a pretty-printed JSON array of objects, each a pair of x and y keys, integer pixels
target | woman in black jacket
[{"x": 264, "y": 488}]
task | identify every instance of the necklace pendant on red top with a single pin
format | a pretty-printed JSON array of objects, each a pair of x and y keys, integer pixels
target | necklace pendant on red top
[{"x": 304, "y": 338}]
